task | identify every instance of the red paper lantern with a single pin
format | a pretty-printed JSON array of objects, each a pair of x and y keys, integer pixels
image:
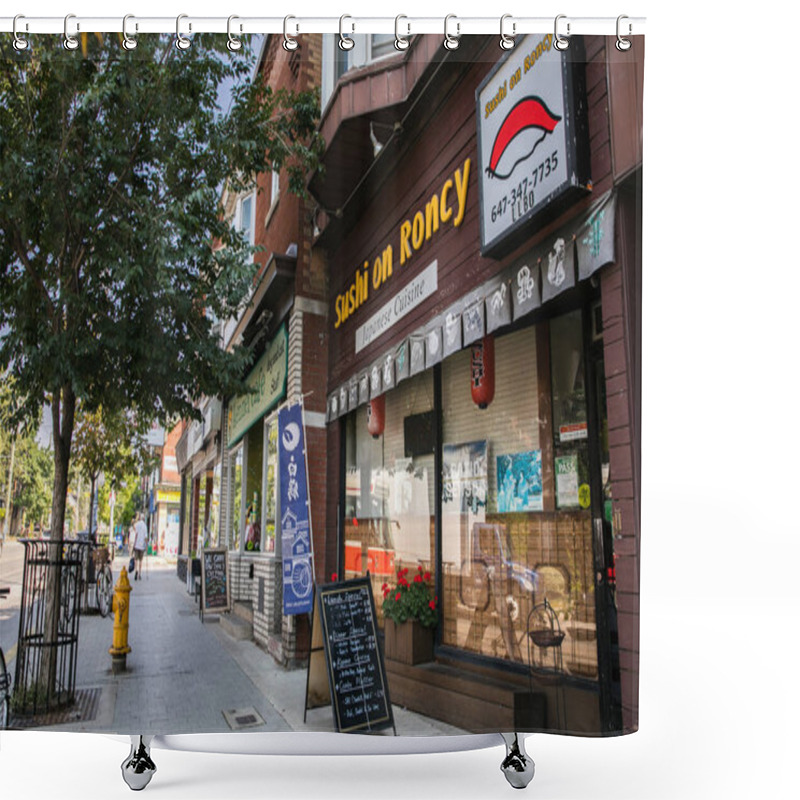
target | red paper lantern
[
  {"x": 376, "y": 416},
  {"x": 482, "y": 378}
]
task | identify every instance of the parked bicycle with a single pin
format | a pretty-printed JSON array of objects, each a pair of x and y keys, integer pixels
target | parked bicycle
[
  {"x": 104, "y": 580},
  {"x": 5, "y": 681}
]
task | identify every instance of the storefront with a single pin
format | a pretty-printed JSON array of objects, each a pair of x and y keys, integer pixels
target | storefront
[
  {"x": 251, "y": 527},
  {"x": 483, "y": 385}
]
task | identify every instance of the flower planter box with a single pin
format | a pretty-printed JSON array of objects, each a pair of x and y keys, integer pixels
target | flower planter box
[{"x": 409, "y": 643}]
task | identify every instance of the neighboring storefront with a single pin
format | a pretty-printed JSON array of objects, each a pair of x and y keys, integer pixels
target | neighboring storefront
[
  {"x": 483, "y": 383},
  {"x": 233, "y": 497}
]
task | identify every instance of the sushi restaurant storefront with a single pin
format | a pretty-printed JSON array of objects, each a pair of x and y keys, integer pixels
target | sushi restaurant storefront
[
  {"x": 469, "y": 432},
  {"x": 251, "y": 523}
]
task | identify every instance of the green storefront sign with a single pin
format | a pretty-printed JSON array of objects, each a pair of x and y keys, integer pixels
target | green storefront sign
[{"x": 268, "y": 381}]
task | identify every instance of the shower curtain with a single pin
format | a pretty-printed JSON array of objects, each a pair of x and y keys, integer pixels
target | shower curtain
[{"x": 356, "y": 331}]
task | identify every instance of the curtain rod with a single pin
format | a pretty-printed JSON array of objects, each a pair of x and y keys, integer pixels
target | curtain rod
[{"x": 346, "y": 25}]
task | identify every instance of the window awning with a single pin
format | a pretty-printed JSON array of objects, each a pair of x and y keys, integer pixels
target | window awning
[{"x": 571, "y": 254}]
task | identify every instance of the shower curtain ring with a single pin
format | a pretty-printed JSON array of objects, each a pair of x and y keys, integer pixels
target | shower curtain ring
[
  {"x": 451, "y": 42},
  {"x": 128, "y": 41},
  {"x": 400, "y": 42},
  {"x": 234, "y": 44},
  {"x": 622, "y": 43},
  {"x": 70, "y": 42},
  {"x": 181, "y": 42},
  {"x": 561, "y": 42},
  {"x": 19, "y": 42},
  {"x": 346, "y": 42},
  {"x": 506, "y": 41},
  {"x": 288, "y": 42}
]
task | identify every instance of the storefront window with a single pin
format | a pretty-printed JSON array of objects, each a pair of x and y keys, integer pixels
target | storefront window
[
  {"x": 202, "y": 513},
  {"x": 188, "y": 511},
  {"x": 570, "y": 429},
  {"x": 389, "y": 496},
  {"x": 235, "y": 515},
  {"x": 270, "y": 489},
  {"x": 253, "y": 457},
  {"x": 213, "y": 518},
  {"x": 506, "y": 543}
]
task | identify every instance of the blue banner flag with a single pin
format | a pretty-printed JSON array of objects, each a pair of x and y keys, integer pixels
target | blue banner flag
[{"x": 295, "y": 512}]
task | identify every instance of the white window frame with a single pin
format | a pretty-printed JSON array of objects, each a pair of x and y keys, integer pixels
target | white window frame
[
  {"x": 239, "y": 220},
  {"x": 274, "y": 194}
]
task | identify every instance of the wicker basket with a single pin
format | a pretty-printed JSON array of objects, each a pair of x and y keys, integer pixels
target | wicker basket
[{"x": 100, "y": 556}]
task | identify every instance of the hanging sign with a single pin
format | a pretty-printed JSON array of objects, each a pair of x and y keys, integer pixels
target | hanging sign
[
  {"x": 295, "y": 512},
  {"x": 531, "y": 142},
  {"x": 267, "y": 380}
]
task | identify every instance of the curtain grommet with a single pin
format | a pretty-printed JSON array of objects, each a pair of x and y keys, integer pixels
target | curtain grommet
[
  {"x": 623, "y": 44},
  {"x": 289, "y": 43},
  {"x": 70, "y": 42},
  {"x": 507, "y": 41},
  {"x": 561, "y": 42},
  {"x": 451, "y": 42}
]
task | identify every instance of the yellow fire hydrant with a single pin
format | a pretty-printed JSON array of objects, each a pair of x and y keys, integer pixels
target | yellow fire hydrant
[{"x": 120, "y": 604}]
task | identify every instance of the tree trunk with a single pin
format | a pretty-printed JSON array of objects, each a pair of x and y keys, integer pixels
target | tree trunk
[{"x": 63, "y": 409}]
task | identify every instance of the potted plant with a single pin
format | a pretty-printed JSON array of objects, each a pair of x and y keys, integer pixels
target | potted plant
[{"x": 409, "y": 615}]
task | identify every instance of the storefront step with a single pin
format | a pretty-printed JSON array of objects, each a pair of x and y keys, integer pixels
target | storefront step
[
  {"x": 236, "y": 627},
  {"x": 244, "y": 610},
  {"x": 468, "y": 701}
]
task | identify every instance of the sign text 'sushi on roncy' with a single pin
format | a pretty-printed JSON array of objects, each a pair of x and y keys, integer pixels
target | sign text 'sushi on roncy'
[
  {"x": 447, "y": 206},
  {"x": 522, "y": 133}
]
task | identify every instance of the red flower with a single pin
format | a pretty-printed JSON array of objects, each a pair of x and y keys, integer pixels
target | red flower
[
  {"x": 426, "y": 576},
  {"x": 397, "y": 597},
  {"x": 384, "y": 586},
  {"x": 334, "y": 577},
  {"x": 432, "y": 605},
  {"x": 420, "y": 567},
  {"x": 418, "y": 578}
]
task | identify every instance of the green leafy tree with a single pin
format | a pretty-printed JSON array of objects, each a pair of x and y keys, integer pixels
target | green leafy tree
[
  {"x": 34, "y": 481},
  {"x": 110, "y": 174},
  {"x": 115, "y": 258},
  {"x": 111, "y": 444}
]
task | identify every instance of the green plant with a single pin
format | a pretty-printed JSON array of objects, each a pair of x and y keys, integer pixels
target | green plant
[{"x": 412, "y": 599}]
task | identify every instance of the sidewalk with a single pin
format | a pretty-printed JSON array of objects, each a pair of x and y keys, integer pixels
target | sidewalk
[{"x": 182, "y": 674}]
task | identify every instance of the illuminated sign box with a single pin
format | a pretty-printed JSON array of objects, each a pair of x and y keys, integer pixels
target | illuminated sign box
[{"x": 532, "y": 140}]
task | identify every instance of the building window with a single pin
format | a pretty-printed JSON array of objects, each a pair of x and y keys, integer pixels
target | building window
[
  {"x": 270, "y": 484},
  {"x": 335, "y": 61},
  {"x": 507, "y": 542},
  {"x": 235, "y": 508},
  {"x": 274, "y": 194},
  {"x": 389, "y": 488},
  {"x": 245, "y": 217}
]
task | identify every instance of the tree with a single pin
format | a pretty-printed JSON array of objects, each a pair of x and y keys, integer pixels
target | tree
[
  {"x": 111, "y": 444},
  {"x": 110, "y": 173},
  {"x": 111, "y": 167}
]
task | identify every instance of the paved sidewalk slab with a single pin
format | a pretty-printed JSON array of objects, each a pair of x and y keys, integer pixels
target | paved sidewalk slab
[{"x": 182, "y": 675}]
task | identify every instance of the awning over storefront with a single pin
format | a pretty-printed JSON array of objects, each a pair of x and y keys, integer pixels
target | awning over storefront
[
  {"x": 267, "y": 380},
  {"x": 572, "y": 254}
]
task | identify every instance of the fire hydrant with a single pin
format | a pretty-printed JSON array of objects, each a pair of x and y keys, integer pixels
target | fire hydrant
[{"x": 120, "y": 604}]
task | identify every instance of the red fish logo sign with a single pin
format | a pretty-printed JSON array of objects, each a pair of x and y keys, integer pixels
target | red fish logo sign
[{"x": 530, "y": 114}]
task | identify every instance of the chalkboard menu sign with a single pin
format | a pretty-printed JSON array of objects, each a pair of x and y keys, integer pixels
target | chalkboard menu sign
[
  {"x": 214, "y": 593},
  {"x": 356, "y": 672}
]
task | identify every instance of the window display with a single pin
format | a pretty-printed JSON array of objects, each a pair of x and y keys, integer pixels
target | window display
[{"x": 389, "y": 501}]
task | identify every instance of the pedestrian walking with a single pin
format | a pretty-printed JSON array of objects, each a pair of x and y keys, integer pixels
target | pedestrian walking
[{"x": 138, "y": 540}]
